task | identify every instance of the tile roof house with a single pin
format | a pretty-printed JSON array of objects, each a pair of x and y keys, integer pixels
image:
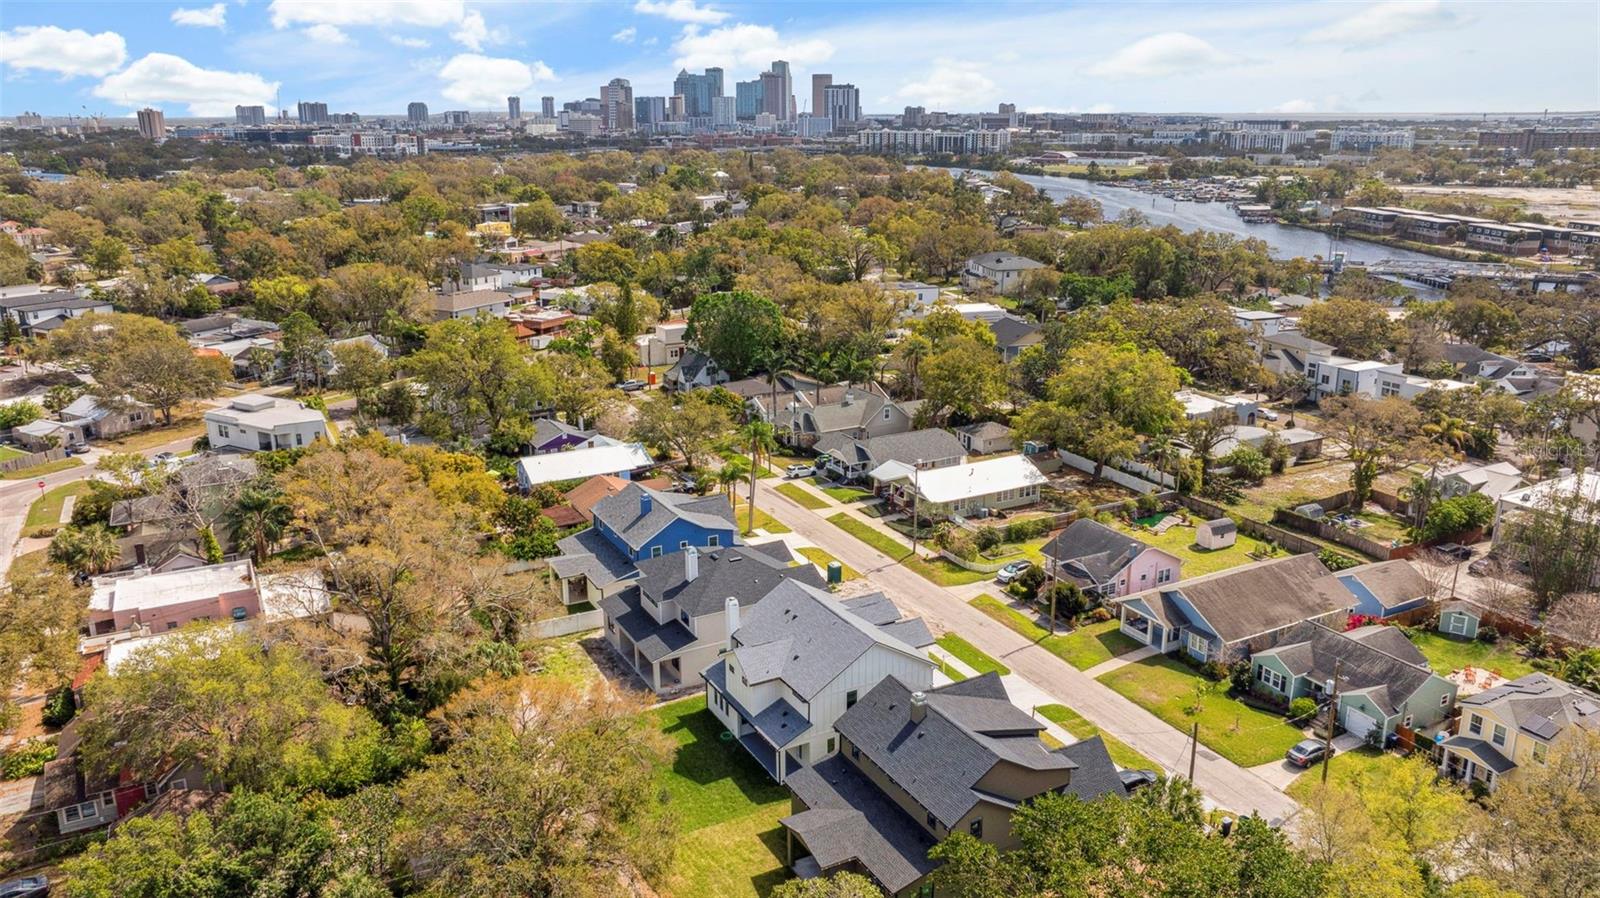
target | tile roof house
[
  {"x": 1232, "y": 613},
  {"x": 1515, "y": 724},
  {"x": 914, "y": 767},
  {"x": 1384, "y": 682},
  {"x": 672, "y": 621},
  {"x": 845, "y": 457},
  {"x": 1107, "y": 563},
  {"x": 634, "y": 524},
  {"x": 799, "y": 659}
]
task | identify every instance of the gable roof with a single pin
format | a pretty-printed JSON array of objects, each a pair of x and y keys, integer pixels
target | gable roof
[
  {"x": 548, "y": 429},
  {"x": 1376, "y": 660},
  {"x": 1005, "y": 262},
  {"x": 986, "y": 430},
  {"x": 981, "y": 478},
  {"x": 746, "y": 573},
  {"x": 1541, "y": 705},
  {"x": 849, "y": 820},
  {"x": 553, "y": 467},
  {"x": 1248, "y": 601},
  {"x": 928, "y": 444},
  {"x": 1095, "y": 548},
  {"x": 625, "y": 514},
  {"x": 1011, "y": 330},
  {"x": 584, "y": 496},
  {"x": 1392, "y": 583}
]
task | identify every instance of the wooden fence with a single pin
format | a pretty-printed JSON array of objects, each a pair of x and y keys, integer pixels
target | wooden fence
[
  {"x": 1333, "y": 533},
  {"x": 28, "y": 461},
  {"x": 1261, "y": 530}
]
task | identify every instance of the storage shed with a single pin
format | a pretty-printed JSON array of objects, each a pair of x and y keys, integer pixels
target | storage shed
[{"x": 1218, "y": 534}]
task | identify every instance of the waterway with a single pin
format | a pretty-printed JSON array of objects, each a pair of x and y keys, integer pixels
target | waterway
[{"x": 1285, "y": 242}]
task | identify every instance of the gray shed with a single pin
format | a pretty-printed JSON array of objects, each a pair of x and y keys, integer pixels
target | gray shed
[{"x": 1218, "y": 534}]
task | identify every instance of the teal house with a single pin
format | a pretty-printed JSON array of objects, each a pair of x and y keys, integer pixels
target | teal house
[{"x": 1384, "y": 682}]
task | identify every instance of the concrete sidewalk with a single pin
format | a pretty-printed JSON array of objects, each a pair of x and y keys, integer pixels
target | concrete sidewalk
[{"x": 1133, "y": 657}]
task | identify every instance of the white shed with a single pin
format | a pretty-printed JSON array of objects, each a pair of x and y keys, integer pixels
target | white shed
[{"x": 1218, "y": 534}]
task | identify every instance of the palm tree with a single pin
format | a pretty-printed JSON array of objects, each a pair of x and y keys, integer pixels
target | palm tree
[
  {"x": 729, "y": 475},
  {"x": 259, "y": 517},
  {"x": 1420, "y": 494},
  {"x": 759, "y": 436},
  {"x": 1448, "y": 430},
  {"x": 86, "y": 550}
]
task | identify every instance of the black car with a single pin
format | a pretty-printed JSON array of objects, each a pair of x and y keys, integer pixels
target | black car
[
  {"x": 1134, "y": 780},
  {"x": 25, "y": 887},
  {"x": 1306, "y": 752},
  {"x": 1454, "y": 550}
]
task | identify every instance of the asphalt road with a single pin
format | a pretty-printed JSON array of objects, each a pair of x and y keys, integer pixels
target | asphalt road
[{"x": 1227, "y": 784}]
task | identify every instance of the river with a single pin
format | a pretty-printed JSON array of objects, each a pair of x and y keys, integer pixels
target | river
[{"x": 1285, "y": 242}]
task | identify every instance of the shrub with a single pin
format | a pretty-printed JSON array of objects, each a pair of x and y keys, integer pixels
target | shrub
[
  {"x": 19, "y": 413},
  {"x": 1248, "y": 464},
  {"x": 1459, "y": 514},
  {"x": 1130, "y": 509},
  {"x": 1022, "y": 531},
  {"x": 1336, "y": 561},
  {"x": 987, "y": 538},
  {"x": 1239, "y": 678},
  {"x": 27, "y": 759},
  {"x": 1027, "y": 586},
  {"x": 1100, "y": 615},
  {"x": 1148, "y": 504},
  {"x": 1215, "y": 671},
  {"x": 1488, "y": 634},
  {"x": 1302, "y": 708},
  {"x": 1070, "y": 601},
  {"x": 59, "y": 707}
]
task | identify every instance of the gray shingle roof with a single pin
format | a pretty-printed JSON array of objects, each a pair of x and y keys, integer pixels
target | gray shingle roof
[
  {"x": 745, "y": 573},
  {"x": 1006, "y": 262},
  {"x": 654, "y": 640},
  {"x": 929, "y": 444},
  {"x": 1010, "y": 330},
  {"x": 1541, "y": 704},
  {"x": 847, "y": 819},
  {"x": 1099, "y": 550},
  {"x": 987, "y": 430},
  {"x": 1364, "y": 661},
  {"x": 547, "y": 429},
  {"x": 1248, "y": 601},
  {"x": 1482, "y": 750},
  {"x": 589, "y": 553},
  {"x": 624, "y": 512},
  {"x": 1096, "y": 774}
]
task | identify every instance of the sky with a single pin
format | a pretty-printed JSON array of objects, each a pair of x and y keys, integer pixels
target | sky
[{"x": 374, "y": 56}]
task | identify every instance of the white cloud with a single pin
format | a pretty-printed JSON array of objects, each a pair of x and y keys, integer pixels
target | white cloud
[
  {"x": 468, "y": 26},
  {"x": 1159, "y": 55},
  {"x": 681, "y": 11},
  {"x": 626, "y": 35},
  {"x": 414, "y": 43},
  {"x": 1382, "y": 22},
  {"x": 69, "y": 53},
  {"x": 951, "y": 85},
  {"x": 1296, "y": 106},
  {"x": 1303, "y": 106},
  {"x": 213, "y": 16},
  {"x": 745, "y": 46},
  {"x": 473, "y": 31},
  {"x": 326, "y": 34},
  {"x": 160, "y": 78},
  {"x": 482, "y": 81}
]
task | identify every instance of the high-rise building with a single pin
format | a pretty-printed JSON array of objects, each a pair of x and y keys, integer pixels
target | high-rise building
[
  {"x": 913, "y": 117},
  {"x": 249, "y": 115},
  {"x": 1008, "y": 109},
  {"x": 841, "y": 103},
  {"x": 417, "y": 113},
  {"x": 675, "y": 108},
  {"x": 698, "y": 90},
  {"x": 777, "y": 91},
  {"x": 724, "y": 112},
  {"x": 30, "y": 120},
  {"x": 616, "y": 105},
  {"x": 152, "y": 124},
  {"x": 514, "y": 108},
  {"x": 819, "y": 83},
  {"x": 747, "y": 98},
  {"x": 649, "y": 110},
  {"x": 458, "y": 118},
  {"x": 547, "y": 107},
  {"x": 313, "y": 113}
]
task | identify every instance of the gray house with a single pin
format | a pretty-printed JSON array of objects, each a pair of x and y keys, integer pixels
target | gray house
[
  {"x": 1383, "y": 680},
  {"x": 850, "y": 458},
  {"x": 1013, "y": 334}
]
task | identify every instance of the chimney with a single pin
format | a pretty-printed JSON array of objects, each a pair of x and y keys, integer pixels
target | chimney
[
  {"x": 730, "y": 615},
  {"x": 691, "y": 562},
  {"x": 645, "y": 502},
  {"x": 919, "y": 706}
]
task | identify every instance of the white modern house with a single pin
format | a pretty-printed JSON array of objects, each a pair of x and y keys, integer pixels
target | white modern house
[
  {"x": 663, "y": 345},
  {"x": 254, "y": 422},
  {"x": 1001, "y": 271}
]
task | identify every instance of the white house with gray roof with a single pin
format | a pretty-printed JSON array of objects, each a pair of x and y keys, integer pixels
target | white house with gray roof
[
  {"x": 254, "y": 422},
  {"x": 845, "y": 457},
  {"x": 799, "y": 659},
  {"x": 1000, "y": 271}
]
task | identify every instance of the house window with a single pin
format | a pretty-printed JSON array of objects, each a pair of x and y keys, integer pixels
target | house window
[
  {"x": 850, "y": 699},
  {"x": 831, "y": 743},
  {"x": 1198, "y": 646},
  {"x": 1444, "y": 700},
  {"x": 1475, "y": 725},
  {"x": 1407, "y": 722},
  {"x": 886, "y": 410},
  {"x": 299, "y": 439},
  {"x": 655, "y": 551},
  {"x": 976, "y": 828},
  {"x": 683, "y": 544},
  {"x": 713, "y": 541},
  {"x": 933, "y": 822},
  {"x": 1499, "y": 737},
  {"x": 222, "y": 431},
  {"x": 684, "y": 616},
  {"x": 1164, "y": 575},
  {"x": 855, "y": 752}
]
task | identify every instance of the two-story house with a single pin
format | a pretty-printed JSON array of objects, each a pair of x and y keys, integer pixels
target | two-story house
[
  {"x": 254, "y": 422},
  {"x": 1383, "y": 682},
  {"x": 845, "y": 457},
  {"x": 672, "y": 621},
  {"x": 1105, "y": 563},
  {"x": 1515, "y": 724},
  {"x": 914, "y": 767},
  {"x": 1001, "y": 272},
  {"x": 663, "y": 345},
  {"x": 632, "y": 525},
  {"x": 799, "y": 659}
]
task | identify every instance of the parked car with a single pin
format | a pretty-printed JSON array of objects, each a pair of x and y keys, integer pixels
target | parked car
[
  {"x": 631, "y": 386},
  {"x": 1307, "y": 752},
  {"x": 799, "y": 470},
  {"x": 1134, "y": 780},
  {"x": 1454, "y": 550},
  {"x": 1269, "y": 414},
  {"x": 76, "y": 448},
  {"x": 1490, "y": 565},
  {"x": 25, "y": 887},
  {"x": 1012, "y": 571}
]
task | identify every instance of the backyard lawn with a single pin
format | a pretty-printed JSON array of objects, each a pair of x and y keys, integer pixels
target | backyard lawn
[
  {"x": 1074, "y": 723},
  {"x": 764, "y": 521},
  {"x": 798, "y": 493},
  {"x": 183, "y": 427},
  {"x": 566, "y": 660},
  {"x": 1446, "y": 655},
  {"x": 1082, "y": 648},
  {"x": 971, "y": 655},
  {"x": 1169, "y": 690},
  {"x": 841, "y": 493},
  {"x": 49, "y": 467},
  {"x": 820, "y": 558},
  {"x": 7, "y": 452},
  {"x": 726, "y": 808},
  {"x": 1179, "y": 540},
  {"x": 45, "y": 513}
]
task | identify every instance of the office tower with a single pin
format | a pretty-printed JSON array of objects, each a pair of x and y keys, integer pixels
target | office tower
[
  {"x": 649, "y": 110},
  {"x": 616, "y": 105},
  {"x": 777, "y": 91},
  {"x": 152, "y": 124},
  {"x": 514, "y": 108},
  {"x": 1008, "y": 109},
  {"x": 913, "y": 117},
  {"x": 417, "y": 113},
  {"x": 30, "y": 120},
  {"x": 819, "y": 83},
  {"x": 547, "y": 107},
  {"x": 675, "y": 107},
  {"x": 841, "y": 103},
  {"x": 313, "y": 113},
  {"x": 724, "y": 112},
  {"x": 698, "y": 90},
  {"x": 747, "y": 99},
  {"x": 809, "y": 126},
  {"x": 249, "y": 115},
  {"x": 458, "y": 118}
]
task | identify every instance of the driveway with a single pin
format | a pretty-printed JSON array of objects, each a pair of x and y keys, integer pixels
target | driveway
[{"x": 1226, "y": 783}]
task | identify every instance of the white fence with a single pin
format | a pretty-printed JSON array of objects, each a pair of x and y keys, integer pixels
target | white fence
[
  {"x": 1121, "y": 478},
  {"x": 566, "y": 626}
]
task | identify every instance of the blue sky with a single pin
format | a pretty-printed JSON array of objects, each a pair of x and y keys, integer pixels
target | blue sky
[{"x": 374, "y": 56}]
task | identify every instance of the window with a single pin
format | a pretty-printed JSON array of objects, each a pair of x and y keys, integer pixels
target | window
[
  {"x": 1475, "y": 725},
  {"x": 1444, "y": 700},
  {"x": 886, "y": 410},
  {"x": 1164, "y": 575},
  {"x": 850, "y": 699},
  {"x": 222, "y": 431},
  {"x": 655, "y": 551},
  {"x": 933, "y": 822},
  {"x": 1406, "y": 722},
  {"x": 855, "y": 752},
  {"x": 299, "y": 439},
  {"x": 976, "y": 828},
  {"x": 683, "y": 544},
  {"x": 713, "y": 541},
  {"x": 832, "y": 742},
  {"x": 1199, "y": 646},
  {"x": 684, "y": 616},
  {"x": 1499, "y": 737}
]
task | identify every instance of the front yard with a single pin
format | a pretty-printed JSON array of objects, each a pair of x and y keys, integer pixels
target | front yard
[
  {"x": 1080, "y": 728},
  {"x": 1171, "y": 691},
  {"x": 820, "y": 557},
  {"x": 1349, "y": 770},
  {"x": 935, "y": 570},
  {"x": 1082, "y": 648},
  {"x": 49, "y": 467},
  {"x": 1447, "y": 655},
  {"x": 44, "y": 515},
  {"x": 841, "y": 493},
  {"x": 1179, "y": 540},
  {"x": 726, "y": 807},
  {"x": 763, "y": 521},
  {"x": 801, "y": 496},
  {"x": 971, "y": 655}
]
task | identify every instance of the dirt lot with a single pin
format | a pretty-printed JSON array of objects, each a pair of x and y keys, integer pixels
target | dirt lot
[{"x": 1555, "y": 203}]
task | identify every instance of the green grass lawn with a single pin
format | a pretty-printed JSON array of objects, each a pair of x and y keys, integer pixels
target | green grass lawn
[
  {"x": 971, "y": 655},
  {"x": 955, "y": 676},
  {"x": 45, "y": 512},
  {"x": 1351, "y": 769},
  {"x": 820, "y": 558},
  {"x": 1238, "y": 732},
  {"x": 10, "y": 452},
  {"x": 935, "y": 570},
  {"x": 1179, "y": 541},
  {"x": 872, "y": 536},
  {"x": 49, "y": 467},
  {"x": 726, "y": 807},
  {"x": 1446, "y": 654},
  {"x": 1074, "y": 723},
  {"x": 842, "y": 493},
  {"x": 798, "y": 493},
  {"x": 764, "y": 521},
  {"x": 1082, "y": 648}
]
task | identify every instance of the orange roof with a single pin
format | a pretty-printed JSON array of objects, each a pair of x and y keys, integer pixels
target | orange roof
[
  {"x": 207, "y": 352},
  {"x": 91, "y": 663},
  {"x": 564, "y": 516},
  {"x": 585, "y": 495}
]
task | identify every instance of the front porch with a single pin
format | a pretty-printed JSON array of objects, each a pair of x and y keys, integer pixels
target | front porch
[
  {"x": 1146, "y": 628},
  {"x": 1469, "y": 760}
]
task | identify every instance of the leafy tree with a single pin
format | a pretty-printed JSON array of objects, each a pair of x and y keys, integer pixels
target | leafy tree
[
  {"x": 92, "y": 549},
  {"x": 275, "y": 298},
  {"x": 1378, "y": 436},
  {"x": 604, "y": 261},
  {"x": 360, "y": 368},
  {"x": 1558, "y": 541},
  {"x": 737, "y": 329},
  {"x": 580, "y": 385},
  {"x": 42, "y": 611},
  {"x": 1248, "y": 464},
  {"x": 1455, "y": 515},
  {"x": 303, "y": 349},
  {"x": 540, "y": 218},
  {"x": 623, "y": 310},
  {"x": 1082, "y": 211},
  {"x": 107, "y": 256},
  {"x": 362, "y": 298},
  {"x": 477, "y": 376},
  {"x": 139, "y": 357},
  {"x": 1104, "y": 399},
  {"x": 687, "y": 426},
  {"x": 1354, "y": 327},
  {"x": 19, "y": 413},
  {"x": 964, "y": 378}
]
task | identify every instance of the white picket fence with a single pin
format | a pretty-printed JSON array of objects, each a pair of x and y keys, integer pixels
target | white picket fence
[{"x": 568, "y": 624}]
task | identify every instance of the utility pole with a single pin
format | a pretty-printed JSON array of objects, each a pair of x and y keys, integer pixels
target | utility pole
[
  {"x": 1194, "y": 746},
  {"x": 916, "y": 490},
  {"x": 1055, "y": 567},
  {"x": 1333, "y": 711}
]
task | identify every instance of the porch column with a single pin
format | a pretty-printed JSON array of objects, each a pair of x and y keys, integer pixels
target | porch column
[{"x": 655, "y": 675}]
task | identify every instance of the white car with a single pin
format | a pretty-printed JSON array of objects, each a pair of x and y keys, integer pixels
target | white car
[
  {"x": 1269, "y": 414},
  {"x": 799, "y": 470}
]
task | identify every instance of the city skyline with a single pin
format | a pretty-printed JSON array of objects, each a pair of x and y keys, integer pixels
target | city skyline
[{"x": 376, "y": 57}]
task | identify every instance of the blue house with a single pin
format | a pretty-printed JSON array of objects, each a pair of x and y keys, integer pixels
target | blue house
[
  {"x": 634, "y": 524},
  {"x": 1386, "y": 588}
]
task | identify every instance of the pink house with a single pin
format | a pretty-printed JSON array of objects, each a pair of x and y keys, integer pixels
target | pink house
[
  {"x": 157, "y": 602},
  {"x": 1106, "y": 563}
]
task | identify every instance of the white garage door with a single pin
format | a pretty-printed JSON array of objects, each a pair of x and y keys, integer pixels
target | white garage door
[{"x": 1358, "y": 724}]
